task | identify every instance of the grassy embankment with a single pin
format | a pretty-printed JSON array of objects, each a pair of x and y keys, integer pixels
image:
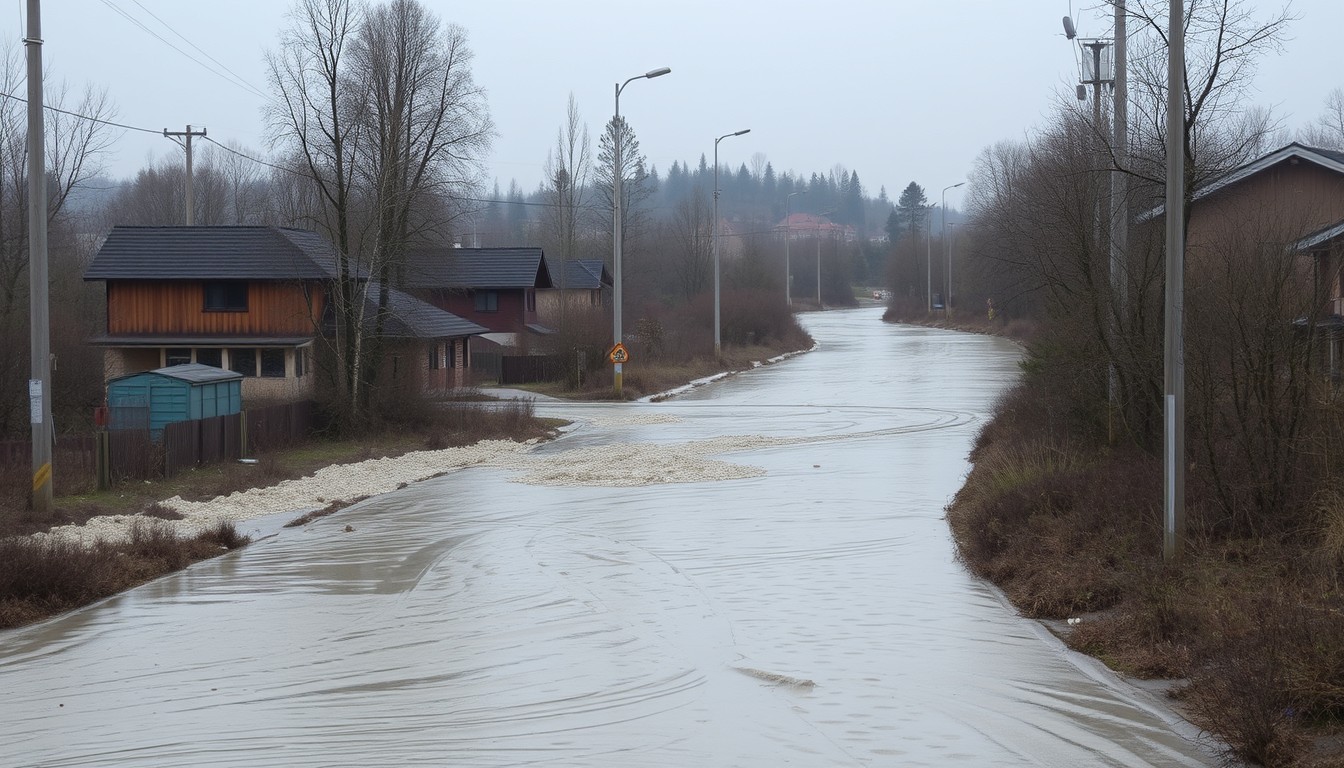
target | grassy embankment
[
  {"x": 1250, "y": 629},
  {"x": 42, "y": 578}
]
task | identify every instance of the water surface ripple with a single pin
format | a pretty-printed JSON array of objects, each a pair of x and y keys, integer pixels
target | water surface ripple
[{"x": 808, "y": 613}]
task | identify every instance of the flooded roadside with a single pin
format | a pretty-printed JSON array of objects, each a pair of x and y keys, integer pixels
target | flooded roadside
[{"x": 792, "y": 598}]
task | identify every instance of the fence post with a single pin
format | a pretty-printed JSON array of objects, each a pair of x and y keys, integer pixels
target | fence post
[
  {"x": 243, "y": 452},
  {"x": 102, "y": 461}
]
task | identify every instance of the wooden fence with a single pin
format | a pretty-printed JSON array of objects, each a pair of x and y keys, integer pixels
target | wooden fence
[
  {"x": 508, "y": 370},
  {"x": 73, "y": 454},
  {"x": 530, "y": 369},
  {"x": 132, "y": 454}
]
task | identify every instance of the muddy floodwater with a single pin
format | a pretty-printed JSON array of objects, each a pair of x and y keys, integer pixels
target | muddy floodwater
[{"x": 756, "y": 573}]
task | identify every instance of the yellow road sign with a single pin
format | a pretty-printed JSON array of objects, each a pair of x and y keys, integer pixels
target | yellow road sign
[{"x": 618, "y": 354}]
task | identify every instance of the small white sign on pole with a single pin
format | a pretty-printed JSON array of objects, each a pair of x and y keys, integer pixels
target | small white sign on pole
[{"x": 35, "y": 401}]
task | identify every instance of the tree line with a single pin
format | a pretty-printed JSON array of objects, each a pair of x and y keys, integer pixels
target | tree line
[{"x": 378, "y": 138}]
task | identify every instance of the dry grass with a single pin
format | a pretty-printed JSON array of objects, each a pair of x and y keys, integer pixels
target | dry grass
[
  {"x": 42, "y": 578},
  {"x": 1254, "y": 625}
]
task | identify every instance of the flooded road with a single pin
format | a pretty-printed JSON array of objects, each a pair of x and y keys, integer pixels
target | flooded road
[{"x": 798, "y": 602}]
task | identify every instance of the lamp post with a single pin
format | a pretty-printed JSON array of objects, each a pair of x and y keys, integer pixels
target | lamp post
[
  {"x": 717, "y": 337},
  {"x": 928, "y": 256},
  {"x": 818, "y": 236},
  {"x": 947, "y": 300},
  {"x": 617, "y": 173},
  {"x": 788, "y": 235}
]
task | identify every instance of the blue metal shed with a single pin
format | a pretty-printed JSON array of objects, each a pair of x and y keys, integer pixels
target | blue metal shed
[{"x": 176, "y": 393}]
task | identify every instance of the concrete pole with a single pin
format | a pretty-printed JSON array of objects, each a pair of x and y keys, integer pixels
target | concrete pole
[
  {"x": 788, "y": 235},
  {"x": 947, "y": 299},
  {"x": 617, "y": 173},
  {"x": 928, "y": 258},
  {"x": 1120, "y": 212},
  {"x": 39, "y": 383},
  {"x": 1173, "y": 378},
  {"x": 717, "y": 336},
  {"x": 818, "y": 269},
  {"x": 618, "y": 371},
  {"x": 718, "y": 347}
]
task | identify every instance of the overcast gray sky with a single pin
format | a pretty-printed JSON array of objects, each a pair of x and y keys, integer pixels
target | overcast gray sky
[{"x": 897, "y": 90}]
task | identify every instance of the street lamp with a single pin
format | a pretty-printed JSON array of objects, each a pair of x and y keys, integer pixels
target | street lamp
[
  {"x": 947, "y": 300},
  {"x": 617, "y": 173},
  {"x": 788, "y": 235},
  {"x": 817, "y": 233},
  {"x": 717, "y": 338},
  {"x": 928, "y": 255}
]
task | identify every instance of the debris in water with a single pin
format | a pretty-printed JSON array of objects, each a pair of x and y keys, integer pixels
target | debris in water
[{"x": 777, "y": 678}]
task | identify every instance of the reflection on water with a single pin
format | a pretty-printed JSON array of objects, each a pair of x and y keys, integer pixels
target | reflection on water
[{"x": 811, "y": 615}]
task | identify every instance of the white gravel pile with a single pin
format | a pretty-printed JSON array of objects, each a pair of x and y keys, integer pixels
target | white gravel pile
[
  {"x": 633, "y": 464},
  {"x": 617, "y": 465},
  {"x": 623, "y": 420}
]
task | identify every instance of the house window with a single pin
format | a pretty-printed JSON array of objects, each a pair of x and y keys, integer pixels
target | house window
[
  {"x": 434, "y": 357},
  {"x": 243, "y": 361},
  {"x": 211, "y": 357},
  {"x": 226, "y": 296},
  {"x": 273, "y": 363},
  {"x": 176, "y": 356},
  {"x": 531, "y": 300},
  {"x": 487, "y": 301},
  {"x": 452, "y": 354},
  {"x": 300, "y": 356}
]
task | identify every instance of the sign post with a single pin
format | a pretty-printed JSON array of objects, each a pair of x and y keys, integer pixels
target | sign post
[{"x": 618, "y": 357}]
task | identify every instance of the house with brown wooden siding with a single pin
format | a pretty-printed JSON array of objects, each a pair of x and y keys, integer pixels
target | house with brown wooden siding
[
  {"x": 251, "y": 299},
  {"x": 585, "y": 285},
  {"x": 1292, "y": 197}
]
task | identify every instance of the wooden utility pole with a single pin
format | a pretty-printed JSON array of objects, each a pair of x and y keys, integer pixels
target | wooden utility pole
[
  {"x": 186, "y": 144},
  {"x": 39, "y": 383}
]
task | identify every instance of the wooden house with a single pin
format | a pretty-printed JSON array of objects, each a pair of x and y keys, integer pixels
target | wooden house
[
  {"x": 493, "y": 287},
  {"x": 250, "y": 299}
]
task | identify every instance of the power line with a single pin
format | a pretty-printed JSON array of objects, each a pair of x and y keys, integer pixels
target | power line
[
  {"x": 234, "y": 80},
  {"x": 198, "y": 48},
  {"x": 82, "y": 117},
  {"x": 303, "y": 174}
]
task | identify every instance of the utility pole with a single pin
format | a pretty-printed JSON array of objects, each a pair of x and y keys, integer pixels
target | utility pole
[
  {"x": 1173, "y": 374},
  {"x": 39, "y": 383},
  {"x": 928, "y": 258},
  {"x": 1120, "y": 214},
  {"x": 186, "y": 144}
]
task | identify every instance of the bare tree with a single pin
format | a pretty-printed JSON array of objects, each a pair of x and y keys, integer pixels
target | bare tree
[
  {"x": 378, "y": 109},
  {"x": 317, "y": 120},
  {"x": 74, "y": 151},
  {"x": 1328, "y": 131},
  {"x": 567, "y": 170},
  {"x": 1224, "y": 40},
  {"x": 636, "y": 185},
  {"x": 691, "y": 237}
]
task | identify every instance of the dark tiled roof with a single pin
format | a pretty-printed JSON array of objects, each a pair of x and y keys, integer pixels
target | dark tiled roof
[
  {"x": 411, "y": 318},
  {"x": 213, "y": 253},
  {"x": 443, "y": 267},
  {"x": 585, "y": 274}
]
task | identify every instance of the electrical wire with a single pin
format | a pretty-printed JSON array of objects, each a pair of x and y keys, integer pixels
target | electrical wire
[
  {"x": 231, "y": 79},
  {"x": 305, "y": 175},
  {"x": 225, "y": 67},
  {"x": 83, "y": 117}
]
